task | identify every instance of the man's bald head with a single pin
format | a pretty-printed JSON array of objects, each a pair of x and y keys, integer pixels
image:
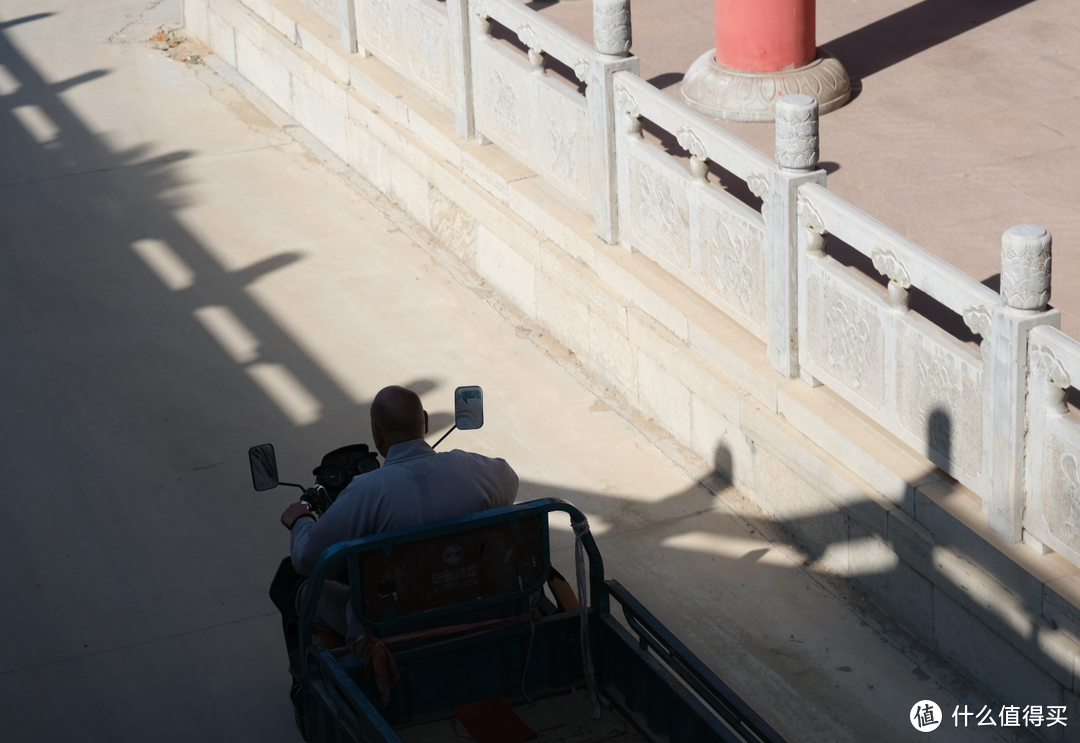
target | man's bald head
[{"x": 397, "y": 415}]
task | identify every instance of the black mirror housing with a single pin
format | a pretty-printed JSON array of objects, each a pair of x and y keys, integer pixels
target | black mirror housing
[
  {"x": 264, "y": 474},
  {"x": 469, "y": 408}
]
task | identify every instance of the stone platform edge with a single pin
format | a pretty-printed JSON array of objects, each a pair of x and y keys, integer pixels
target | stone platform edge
[{"x": 864, "y": 505}]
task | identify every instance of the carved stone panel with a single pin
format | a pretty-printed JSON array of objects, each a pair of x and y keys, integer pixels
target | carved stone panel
[
  {"x": 940, "y": 403},
  {"x": 659, "y": 213},
  {"x": 381, "y": 27},
  {"x": 733, "y": 257},
  {"x": 846, "y": 339},
  {"x": 453, "y": 226},
  {"x": 1061, "y": 491},
  {"x": 428, "y": 48},
  {"x": 502, "y": 102},
  {"x": 561, "y": 138}
]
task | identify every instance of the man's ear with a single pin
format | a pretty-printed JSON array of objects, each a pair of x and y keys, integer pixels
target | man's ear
[
  {"x": 377, "y": 438},
  {"x": 425, "y": 423}
]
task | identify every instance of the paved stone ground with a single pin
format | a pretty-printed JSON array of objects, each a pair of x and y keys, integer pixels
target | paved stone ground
[
  {"x": 180, "y": 279},
  {"x": 964, "y": 121}
]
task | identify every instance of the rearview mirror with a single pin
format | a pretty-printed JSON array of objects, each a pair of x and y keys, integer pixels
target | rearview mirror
[
  {"x": 264, "y": 474},
  {"x": 469, "y": 408}
]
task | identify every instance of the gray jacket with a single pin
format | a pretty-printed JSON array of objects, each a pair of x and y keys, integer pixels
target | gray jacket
[{"x": 415, "y": 485}]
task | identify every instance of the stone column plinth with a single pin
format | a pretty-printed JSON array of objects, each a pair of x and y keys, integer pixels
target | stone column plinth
[{"x": 765, "y": 49}]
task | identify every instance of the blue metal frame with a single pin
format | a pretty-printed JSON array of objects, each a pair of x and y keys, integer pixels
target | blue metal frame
[
  {"x": 344, "y": 705},
  {"x": 718, "y": 696},
  {"x": 653, "y": 679},
  {"x": 350, "y": 552}
]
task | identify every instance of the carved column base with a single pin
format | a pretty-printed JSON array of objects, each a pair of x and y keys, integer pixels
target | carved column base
[{"x": 726, "y": 93}]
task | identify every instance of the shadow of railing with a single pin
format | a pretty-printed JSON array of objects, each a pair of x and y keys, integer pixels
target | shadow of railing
[{"x": 996, "y": 645}]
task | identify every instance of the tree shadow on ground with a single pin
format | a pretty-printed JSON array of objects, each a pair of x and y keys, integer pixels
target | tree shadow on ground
[{"x": 120, "y": 400}]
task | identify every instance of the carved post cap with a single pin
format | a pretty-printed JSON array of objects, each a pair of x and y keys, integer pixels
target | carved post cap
[
  {"x": 1025, "y": 267},
  {"x": 611, "y": 27},
  {"x": 797, "y": 132}
]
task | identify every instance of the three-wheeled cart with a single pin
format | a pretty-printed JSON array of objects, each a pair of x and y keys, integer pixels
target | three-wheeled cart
[{"x": 454, "y": 604}]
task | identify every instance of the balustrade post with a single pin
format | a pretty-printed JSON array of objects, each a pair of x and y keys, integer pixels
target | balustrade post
[
  {"x": 1025, "y": 291},
  {"x": 347, "y": 25},
  {"x": 612, "y": 34},
  {"x": 612, "y": 39},
  {"x": 797, "y": 157},
  {"x": 459, "y": 27}
]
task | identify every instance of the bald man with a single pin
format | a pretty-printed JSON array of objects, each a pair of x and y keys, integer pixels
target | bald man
[{"x": 415, "y": 485}]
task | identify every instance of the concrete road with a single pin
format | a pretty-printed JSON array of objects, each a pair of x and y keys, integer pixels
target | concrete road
[{"x": 180, "y": 279}]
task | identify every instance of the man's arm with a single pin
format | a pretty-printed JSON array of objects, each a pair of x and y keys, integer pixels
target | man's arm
[
  {"x": 294, "y": 512},
  {"x": 346, "y": 519},
  {"x": 304, "y": 545},
  {"x": 306, "y": 540},
  {"x": 504, "y": 483}
]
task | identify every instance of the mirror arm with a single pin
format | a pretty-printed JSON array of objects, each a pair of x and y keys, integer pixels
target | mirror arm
[
  {"x": 444, "y": 436},
  {"x": 302, "y": 488}
]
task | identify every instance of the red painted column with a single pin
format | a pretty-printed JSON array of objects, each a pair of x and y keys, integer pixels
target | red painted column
[
  {"x": 765, "y": 35},
  {"x": 765, "y": 49}
]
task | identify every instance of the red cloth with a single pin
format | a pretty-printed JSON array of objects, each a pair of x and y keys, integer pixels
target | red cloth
[
  {"x": 492, "y": 721},
  {"x": 381, "y": 664}
]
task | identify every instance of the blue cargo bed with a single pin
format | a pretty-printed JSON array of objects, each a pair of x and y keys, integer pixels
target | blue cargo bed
[{"x": 480, "y": 575}]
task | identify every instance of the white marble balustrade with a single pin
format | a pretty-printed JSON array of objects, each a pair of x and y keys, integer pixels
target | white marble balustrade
[
  {"x": 860, "y": 339},
  {"x": 534, "y": 116},
  {"x": 670, "y": 212},
  {"x": 984, "y": 415},
  {"x": 411, "y": 36},
  {"x": 1052, "y": 472}
]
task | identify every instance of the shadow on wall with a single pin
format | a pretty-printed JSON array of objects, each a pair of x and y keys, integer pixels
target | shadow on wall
[
  {"x": 989, "y": 655},
  {"x": 684, "y": 539}
]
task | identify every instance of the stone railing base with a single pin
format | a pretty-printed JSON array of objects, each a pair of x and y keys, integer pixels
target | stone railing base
[{"x": 726, "y": 93}]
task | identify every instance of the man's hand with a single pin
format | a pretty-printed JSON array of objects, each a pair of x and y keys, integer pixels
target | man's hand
[{"x": 292, "y": 513}]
